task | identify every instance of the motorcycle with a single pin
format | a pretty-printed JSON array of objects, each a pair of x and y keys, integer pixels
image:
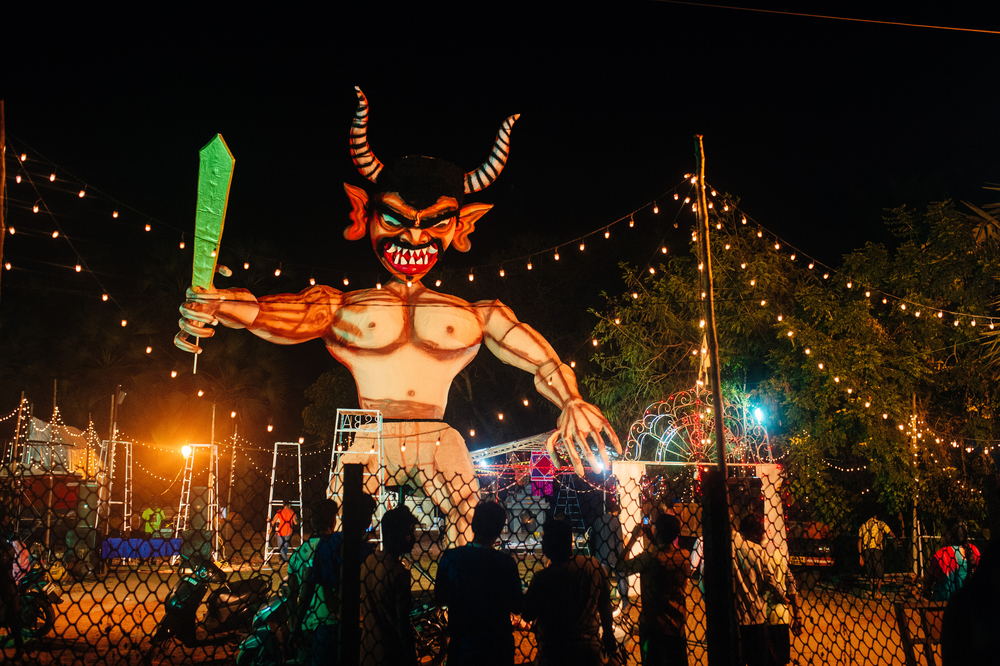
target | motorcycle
[
  {"x": 268, "y": 640},
  {"x": 229, "y": 607},
  {"x": 38, "y": 600}
]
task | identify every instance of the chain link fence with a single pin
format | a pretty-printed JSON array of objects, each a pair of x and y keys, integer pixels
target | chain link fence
[{"x": 183, "y": 577}]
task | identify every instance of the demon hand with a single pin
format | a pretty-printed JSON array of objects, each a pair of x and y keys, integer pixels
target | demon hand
[{"x": 579, "y": 423}]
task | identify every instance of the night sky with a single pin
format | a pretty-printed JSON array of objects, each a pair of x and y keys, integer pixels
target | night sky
[{"x": 817, "y": 125}]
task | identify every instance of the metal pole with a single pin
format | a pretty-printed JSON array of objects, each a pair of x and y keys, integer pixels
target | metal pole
[
  {"x": 3, "y": 181},
  {"x": 350, "y": 579},
  {"x": 721, "y": 630}
]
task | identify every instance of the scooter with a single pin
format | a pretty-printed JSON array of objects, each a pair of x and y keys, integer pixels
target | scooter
[
  {"x": 229, "y": 607},
  {"x": 267, "y": 643}
]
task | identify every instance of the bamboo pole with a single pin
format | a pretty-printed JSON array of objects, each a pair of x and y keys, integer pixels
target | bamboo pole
[{"x": 721, "y": 631}]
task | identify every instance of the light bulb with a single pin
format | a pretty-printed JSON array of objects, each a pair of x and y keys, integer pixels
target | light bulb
[
  {"x": 312, "y": 282},
  {"x": 714, "y": 193},
  {"x": 200, "y": 393},
  {"x": 635, "y": 294},
  {"x": 557, "y": 255},
  {"x": 471, "y": 277},
  {"x": 23, "y": 157},
  {"x": 760, "y": 234},
  {"x": 763, "y": 303},
  {"x": 149, "y": 350},
  {"x": 246, "y": 265},
  {"x": 529, "y": 265},
  {"x": 34, "y": 209},
  {"x": 346, "y": 281},
  {"x": 270, "y": 427},
  {"x": 617, "y": 321},
  {"x": 409, "y": 283},
  {"x": 55, "y": 234},
  {"x": 104, "y": 297},
  {"x": 607, "y": 234},
  {"x": 437, "y": 283},
  {"x": 572, "y": 364},
  {"x": 302, "y": 440},
  {"x": 500, "y": 416},
  {"x": 124, "y": 323},
  {"x": 525, "y": 401},
  {"x": 868, "y": 294},
  {"x": 79, "y": 268},
  {"x": 82, "y": 192},
  {"x": 472, "y": 433},
  {"x": 7, "y": 265},
  {"x": 17, "y": 178},
  {"x": 181, "y": 245},
  {"x": 664, "y": 250},
  {"x": 277, "y": 272},
  {"x": 656, "y": 209},
  {"x": 811, "y": 265},
  {"x": 378, "y": 285},
  {"x": 582, "y": 246},
  {"x": 594, "y": 341},
  {"x": 820, "y": 366},
  {"x": 52, "y": 178},
  {"x": 676, "y": 197},
  {"x": 502, "y": 273},
  {"x": 631, "y": 221},
  {"x": 148, "y": 227},
  {"x": 173, "y": 373},
  {"x": 850, "y": 285},
  {"x": 808, "y": 351},
  {"x": 114, "y": 214},
  {"x": 694, "y": 179},
  {"x": 438, "y": 442},
  {"x": 232, "y": 415}
]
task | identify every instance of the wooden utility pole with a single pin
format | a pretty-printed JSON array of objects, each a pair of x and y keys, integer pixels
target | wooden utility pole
[
  {"x": 3, "y": 185},
  {"x": 721, "y": 631}
]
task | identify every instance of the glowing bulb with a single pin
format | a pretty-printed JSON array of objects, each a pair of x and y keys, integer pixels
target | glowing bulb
[
  {"x": 868, "y": 294},
  {"x": 23, "y": 157},
  {"x": 200, "y": 393},
  {"x": 500, "y": 416},
  {"x": 760, "y": 234},
  {"x": 557, "y": 255},
  {"x": 149, "y": 350},
  {"x": 972, "y": 323},
  {"x": 529, "y": 265},
  {"x": 791, "y": 333},
  {"x": 727, "y": 246},
  {"x": 34, "y": 209},
  {"x": 346, "y": 282},
  {"x": 885, "y": 416},
  {"x": 437, "y": 443},
  {"x": 378, "y": 285},
  {"x": 104, "y": 297},
  {"x": 525, "y": 401},
  {"x": 631, "y": 221},
  {"x": 501, "y": 273},
  {"x": 124, "y": 323},
  {"x": 867, "y": 405},
  {"x": 676, "y": 197},
  {"x": 114, "y": 214},
  {"x": 270, "y": 427},
  {"x": 763, "y": 303},
  {"x": 403, "y": 446},
  {"x": 743, "y": 266},
  {"x": 302, "y": 440},
  {"x": 820, "y": 366},
  {"x": 173, "y": 373},
  {"x": 79, "y": 268},
  {"x": 753, "y": 282},
  {"x": 312, "y": 282},
  {"x": 55, "y": 234},
  {"x": 917, "y": 314},
  {"x": 246, "y": 265},
  {"x": 213, "y": 253},
  {"x": 82, "y": 193},
  {"x": 826, "y": 275},
  {"x": 572, "y": 364},
  {"x": 777, "y": 246},
  {"x": 902, "y": 306},
  {"x": 940, "y": 314},
  {"x": 652, "y": 271},
  {"x": 472, "y": 433},
  {"x": 182, "y": 245},
  {"x": 792, "y": 257},
  {"x": 148, "y": 227},
  {"x": 635, "y": 294},
  {"x": 656, "y": 209},
  {"x": 471, "y": 277},
  {"x": 437, "y": 283},
  {"x": 664, "y": 250},
  {"x": 185, "y": 450},
  {"x": 808, "y": 351},
  {"x": 607, "y": 234},
  {"x": 17, "y": 178},
  {"x": 811, "y": 264},
  {"x": 781, "y": 317},
  {"x": 617, "y": 321},
  {"x": 594, "y": 341},
  {"x": 582, "y": 246},
  {"x": 232, "y": 415},
  {"x": 701, "y": 324},
  {"x": 836, "y": 379},
  {"x": 7, "y": 265},
  {"x": 277, "y": 272},
  {"x": 52, "y": 178},
  {"x": 694, "y": 179}
]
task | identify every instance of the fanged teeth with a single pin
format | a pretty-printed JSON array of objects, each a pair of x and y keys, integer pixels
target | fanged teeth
[{"x": 408, "y": 257}]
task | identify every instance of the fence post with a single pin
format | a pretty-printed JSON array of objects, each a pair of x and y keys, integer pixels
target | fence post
[{"x": 350, "y": 565}]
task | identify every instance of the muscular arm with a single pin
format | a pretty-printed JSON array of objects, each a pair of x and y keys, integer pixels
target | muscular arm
[
  {"x": 284, "y": 319},
  {"x": 515, "y": 343}
]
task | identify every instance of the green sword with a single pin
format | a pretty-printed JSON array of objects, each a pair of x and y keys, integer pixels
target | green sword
[{"x": 215, "y": 174}]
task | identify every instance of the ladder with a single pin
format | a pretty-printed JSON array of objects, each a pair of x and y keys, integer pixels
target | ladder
[
  {"x": 568, "y": 501},
  {"x": 351, "y": 422},
  {"x": 275, "y": 504},
  {"x": 183, "y": 521},
  {"x": 106, "y": 474}
]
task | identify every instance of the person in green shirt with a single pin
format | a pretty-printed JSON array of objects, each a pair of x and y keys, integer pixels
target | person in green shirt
[{"x": 152, "y": 518}]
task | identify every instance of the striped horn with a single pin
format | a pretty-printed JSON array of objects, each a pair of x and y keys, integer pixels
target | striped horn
[
  {"x": 361, "y": 152},
  {"x": 484, "y": 176}
]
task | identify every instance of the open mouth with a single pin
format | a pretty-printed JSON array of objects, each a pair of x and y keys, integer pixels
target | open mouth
[{"x": 410, "y": 260}]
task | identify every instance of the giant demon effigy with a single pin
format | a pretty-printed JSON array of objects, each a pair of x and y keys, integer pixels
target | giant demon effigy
[{"x": 403, "y": 343}]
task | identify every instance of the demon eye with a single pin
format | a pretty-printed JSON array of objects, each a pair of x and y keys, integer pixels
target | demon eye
[
  {"x": 391, "y": 221},
  {"x": 442, "y": 223}
]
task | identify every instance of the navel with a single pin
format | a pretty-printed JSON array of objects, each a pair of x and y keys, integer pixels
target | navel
[
  {"x": 449, "y": 330},
  {"x": 411, "y": 393},
  {"x": 371, "y": 324}
]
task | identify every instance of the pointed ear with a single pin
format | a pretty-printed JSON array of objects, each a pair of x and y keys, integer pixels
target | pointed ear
[
  {"x": 467, "y": 218},
  {"x": 359, "y": 224}
]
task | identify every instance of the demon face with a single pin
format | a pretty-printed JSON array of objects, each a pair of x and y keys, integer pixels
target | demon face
[{"x": 416, "y": 212}]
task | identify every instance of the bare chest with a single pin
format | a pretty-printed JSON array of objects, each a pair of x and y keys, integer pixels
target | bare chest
[{"x": 385, "y": 324}]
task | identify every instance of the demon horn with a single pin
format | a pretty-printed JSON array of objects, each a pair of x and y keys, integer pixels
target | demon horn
[
  {"x": 361, "y": 152},
  {"x": 484, "y": 176}
]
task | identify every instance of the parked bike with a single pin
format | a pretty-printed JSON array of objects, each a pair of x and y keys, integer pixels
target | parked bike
[
  {"x": 38, "y": 600},
  {"x": 229, "y": 608},
  {"x": 267, "y": 643}
]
